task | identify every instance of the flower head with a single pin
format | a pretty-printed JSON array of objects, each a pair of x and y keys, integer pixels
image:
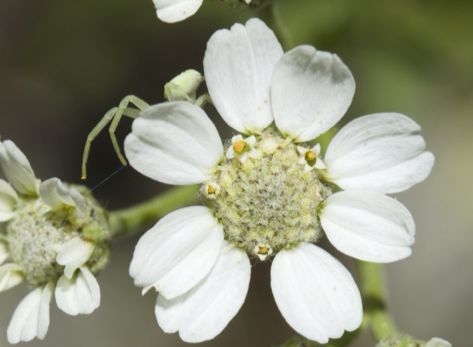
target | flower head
[
  {"x": 268, "y": 193},
  {"x": 54, "y": 239}
]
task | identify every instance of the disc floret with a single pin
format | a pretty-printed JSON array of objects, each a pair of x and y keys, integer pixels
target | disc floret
[{"x": 267, "y": 202}]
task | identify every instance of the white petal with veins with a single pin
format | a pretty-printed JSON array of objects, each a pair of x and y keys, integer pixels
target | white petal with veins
[
  {"x": 10, "y": 276},
  {"x": 175, "y": 143},
  {"x": 177, "y": 252},
  {"x": 3, "y": 252},
  {"x": 73, "y": 254},
  {"x": 17, "y": 169},
  {"x": 31, "y": 317},
  {"x": 204, "y": 311},
  {"x": 368, "y": 226},
  {"x": 80, "y": 294},
  {"x": 315, "y": 293},
  {"x": 55, "y": 194},
  {"x": 311, "y": 91},
  {"x": 8, "y": 201},
  {"x": 172, "y": 11},
  {"x": 381, "y": 152},
  {"x": 238, "y": 65}
]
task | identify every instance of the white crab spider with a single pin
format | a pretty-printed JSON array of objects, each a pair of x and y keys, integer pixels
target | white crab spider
[{"x": 182, "y": 87}]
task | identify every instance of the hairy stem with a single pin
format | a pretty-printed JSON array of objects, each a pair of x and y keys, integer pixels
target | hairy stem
[
  {"x": 374, "y": 300},
  {"x": 132, "y": 219}
]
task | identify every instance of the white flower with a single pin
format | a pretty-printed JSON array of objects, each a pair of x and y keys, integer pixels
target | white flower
[
  {"x": 172, "y": 11},
  {"x": 17, "y": 169},
  {"x": 77, "y": 291},
  {"x": 195, "y": 257},
  {"x": 438, "y": 342}
]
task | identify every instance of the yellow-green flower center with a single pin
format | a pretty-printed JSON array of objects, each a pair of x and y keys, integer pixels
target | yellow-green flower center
[
  {"x": 269, "y": 202},
  {"x": 35, "y": 231}
]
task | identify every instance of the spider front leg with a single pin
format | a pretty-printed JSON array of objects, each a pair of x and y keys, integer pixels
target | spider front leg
[
  {"x": 203, "y": 99},
  {"x": 114, "y": 115}
]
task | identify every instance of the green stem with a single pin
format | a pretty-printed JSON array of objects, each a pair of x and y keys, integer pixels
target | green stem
[
  {"x": 344, "y": 341},
  {"x": 271, "y": 14},
  {"x": 130, "y": 220},
  {"x": 374, "y": 300}
]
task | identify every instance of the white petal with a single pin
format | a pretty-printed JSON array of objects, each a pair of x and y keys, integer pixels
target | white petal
[
  {"x": 3, "y": 252},
  {"x": 43, "y": 316},
  {"x": 55, "y": 194},
  {"x": 174, "y": 143},
  {"x": 368, "y": 226},
  {"x": 437, "y": 342},
  {"x": 251, "y": 140},
  {"x": 310, "y": 91},
  {"x": 230, "y": 153},
  {"x": 238, "y": 65},
  {"x": 380, "y": 152},
  {"x": 31, "y": 317},
  {"x": 8, "y": 201},
  {"x": 204, "y": 311},
  {"x": 172, "y": 11},
  {"x": 10, "y": 276},
  {"x": 178, "y": 251},
  {"x": 80, "y": 294},
  {"x": 79, "y": 203},
  {"x": 73, "y": 254},
  {"x": 315, "y": 293},
  {"x": 17, "y": 169}
]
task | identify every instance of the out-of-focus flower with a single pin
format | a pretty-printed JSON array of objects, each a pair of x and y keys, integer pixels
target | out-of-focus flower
[{"x": 55, "y": 240}]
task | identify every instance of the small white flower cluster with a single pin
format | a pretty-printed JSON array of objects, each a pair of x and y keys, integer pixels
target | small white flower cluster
[
  {"x": 49, "y": 241},
  {"x": 192, "y": 257}
]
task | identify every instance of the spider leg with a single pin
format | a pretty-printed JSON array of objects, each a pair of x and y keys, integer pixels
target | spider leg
[{"x": 114, "y": 115}]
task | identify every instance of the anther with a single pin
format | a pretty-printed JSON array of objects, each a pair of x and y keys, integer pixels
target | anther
[
  {"x": 211, "y": 189},
  {"x": 263, "y": 250},
  {"x": 239, "y": 146},
  {"x": 310, "y": 158}
]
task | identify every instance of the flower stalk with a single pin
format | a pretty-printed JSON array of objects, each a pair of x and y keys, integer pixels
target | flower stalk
[
  {"x": 374, "y": 300},
  {"x": 344, "y": 341},
  {"x": 130, "y": 220},
  {"x": 271, "y": 14}
]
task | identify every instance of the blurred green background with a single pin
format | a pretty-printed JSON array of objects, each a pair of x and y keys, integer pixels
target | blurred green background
[{"x": 63, "y": 64}]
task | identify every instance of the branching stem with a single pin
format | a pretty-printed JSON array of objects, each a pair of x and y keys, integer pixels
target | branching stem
[{"x": 131, "y": 220}]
